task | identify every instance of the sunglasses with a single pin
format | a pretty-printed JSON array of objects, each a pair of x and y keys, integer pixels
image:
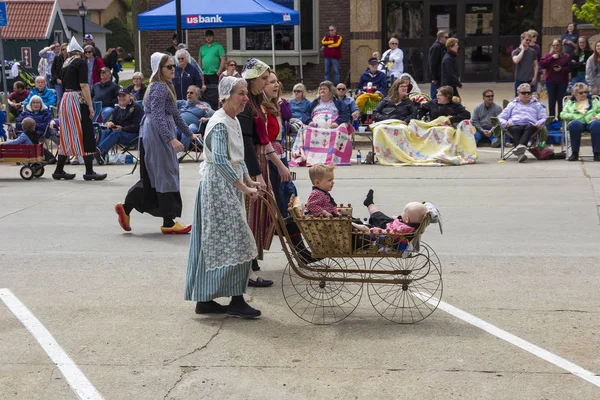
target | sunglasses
[
  {"x": 88, "y": 52},
  {"x": 489, "y": 96},
  {"x": 583, "y": 92},
  {"x": 525, "y": 93},
  {"x": 341, "y": 88},
  {"x": 393, "y": 43},
  {"x": 181, "y": 58},
  {"x": 297, "y": 91},
  {"x": 191, "y": 92},
  {"x": 331, "y": 30},
  {"x": 170, "y": 66},
  {"x": 232, "y": 65}
]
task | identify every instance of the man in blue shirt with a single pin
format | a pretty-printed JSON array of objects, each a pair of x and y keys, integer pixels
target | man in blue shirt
[
  {"x": 194, "y": 112},
  {"x": 372, "y": 75}
]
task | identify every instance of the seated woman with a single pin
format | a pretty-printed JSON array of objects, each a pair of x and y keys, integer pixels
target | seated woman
[
  {"x": 300, "y": 105},
  {"x": 437, "y": 142},
  {"x": 414, "y": 91},
  {"x": 443, "y": 106},
  {"x": 582, "y": 113},
  {"x": 397, "y": 105},
  {"x": 522, "y": 117},
  {"x": 138, "y": 87},
  {"x": 326, "y": 138},
  {"x": 37, "y": 111}
]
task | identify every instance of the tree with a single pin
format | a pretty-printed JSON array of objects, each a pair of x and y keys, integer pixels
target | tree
[
  {"x": 138, "y": 7},
  {"x": 590, "y": 12},
  {"x": 120, "y": 36}
]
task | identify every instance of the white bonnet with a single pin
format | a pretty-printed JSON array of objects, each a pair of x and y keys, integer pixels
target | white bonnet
[
  {"x": 74, "y": 46},
  {"x": 155, "y": 63},
  {"x": 226, "y": 86}
]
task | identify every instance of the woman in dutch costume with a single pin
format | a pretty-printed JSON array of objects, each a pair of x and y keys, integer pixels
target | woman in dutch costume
[
  {"x": 75, "y": 117},
  {"x": 157, "y": 192},
  {"x": 222, "y": 245}
]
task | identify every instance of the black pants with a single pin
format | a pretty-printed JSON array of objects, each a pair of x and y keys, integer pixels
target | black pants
[
  {"x": 211, "y": 95},
  {"x": 522, "y": 133}
]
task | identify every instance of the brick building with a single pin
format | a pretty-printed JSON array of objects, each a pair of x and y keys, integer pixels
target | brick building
[{"x": 488, "y": 30}]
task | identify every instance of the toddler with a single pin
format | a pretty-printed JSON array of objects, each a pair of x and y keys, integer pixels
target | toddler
[
  {"x": 29, "y": 136},
  {"x": 320, "y": 203}
]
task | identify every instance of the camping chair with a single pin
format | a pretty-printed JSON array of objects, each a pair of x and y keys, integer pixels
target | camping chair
[
  {"x": 566, "y": 135},
  {"x": 196, "y": 145},
  {"x": 502, "y": 133}
]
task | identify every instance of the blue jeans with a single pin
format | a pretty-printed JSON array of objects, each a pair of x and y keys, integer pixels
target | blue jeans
[
  {"x": 111, "y": 138},
  {"x": 332, "y": 63},
  {"x": 556, "y": 92},
  {"x": 576, "y": 128},
  {"x": 533, "y": 87},
  {"x": 433, "y": 90},
  {"x": 106, "y": 113},
  {"x": 187, "y": 140},
  {"x": 479, "y": 136}
]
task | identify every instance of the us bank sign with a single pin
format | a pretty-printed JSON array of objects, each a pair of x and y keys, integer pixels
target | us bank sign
[{"x": 203, "y": 19}]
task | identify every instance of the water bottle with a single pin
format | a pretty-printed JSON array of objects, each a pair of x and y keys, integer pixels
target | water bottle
[{"x": 358, "y": 157}]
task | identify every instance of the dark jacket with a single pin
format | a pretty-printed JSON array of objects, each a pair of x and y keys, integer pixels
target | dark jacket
[
  {"x": 449, "y": 73},
  {"x": 57, "y": 64},
  {"x": 249, "y": 134},
  {"x": 140, "y": 94},
  {"x": 110, "y": 59},
  {"x": 106, "y": 93},
  {"x": 343, "y": 111},
  {"x": 574, "y": 63},
  {"x": 436, "y": 55},
  {"x": 128, "y": 118},
  {"x": 379, "y": 81},
  {"x": 455, "y": 111},
  {"x": 386, "y": 109},
  {"x": 41, "y": 118}
]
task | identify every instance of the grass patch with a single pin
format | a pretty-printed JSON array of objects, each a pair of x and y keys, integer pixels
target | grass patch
[{"x": 129, "y": 65}]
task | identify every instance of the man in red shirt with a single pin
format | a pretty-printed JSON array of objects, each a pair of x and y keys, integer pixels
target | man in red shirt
[
  {"x": 332, "y": 49},
  {"x": 16, "y": 98}
]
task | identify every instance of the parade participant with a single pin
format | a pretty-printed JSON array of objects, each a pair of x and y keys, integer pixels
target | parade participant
[
  {"x": 222, "y": 246},
  {"x": 75, "y": 117},
  {"x": 157, "y": 191}
]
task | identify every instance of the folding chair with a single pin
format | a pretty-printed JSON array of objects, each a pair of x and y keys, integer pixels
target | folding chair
[
  {"x": 197, "y": 145},
  {"x": 566, "y": 136},
  {"x": 502, "y": 133}
]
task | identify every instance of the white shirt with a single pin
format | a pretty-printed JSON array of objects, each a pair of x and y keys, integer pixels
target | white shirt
[{"x": 395, "y": 55}]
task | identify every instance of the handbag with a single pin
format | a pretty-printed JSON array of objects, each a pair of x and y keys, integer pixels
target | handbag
[{"x": 545, "y": 153}]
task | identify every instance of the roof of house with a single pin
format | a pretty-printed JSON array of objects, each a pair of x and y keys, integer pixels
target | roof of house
[
  {"x": 90, "y": 4},
  {"x": 30, "y": 19},
  {"x": 74, "y": 25}
]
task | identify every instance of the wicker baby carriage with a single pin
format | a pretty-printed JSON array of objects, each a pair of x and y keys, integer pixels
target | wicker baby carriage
[{"x": 402, "y": 273}]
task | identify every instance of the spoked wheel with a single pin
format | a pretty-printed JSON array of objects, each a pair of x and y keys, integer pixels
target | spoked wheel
[
  {"x": 425, "y": 248},
  {"x": 409, "y": 302},
  {"x": 322, "y": 301}
]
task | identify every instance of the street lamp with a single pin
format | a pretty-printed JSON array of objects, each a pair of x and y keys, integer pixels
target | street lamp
[{"x": 82, "y": 13}]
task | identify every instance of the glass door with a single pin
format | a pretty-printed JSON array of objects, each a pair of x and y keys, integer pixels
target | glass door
[
  {"x": 478, "y": 44},
  {"x": 443, "y": 16}
]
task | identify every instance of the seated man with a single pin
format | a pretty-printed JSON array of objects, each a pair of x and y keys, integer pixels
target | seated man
[
  {"x": 481, "y": 118},
  {"x": 378, "y": 79},
  {"x": 522, "y": 117},
  {"x": 194, "y": 112},
  {"x": 124, "y": 126},
  {"x": 41, "y": 89},
  {"x": 342, "y": 94},
  {"x": 105, "y": 92},
  {"x": 16, "y": 98}
]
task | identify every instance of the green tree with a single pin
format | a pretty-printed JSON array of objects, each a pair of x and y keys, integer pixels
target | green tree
[
  {"x": 120, "y": 36},
  {"x": 590, "y": 12}
]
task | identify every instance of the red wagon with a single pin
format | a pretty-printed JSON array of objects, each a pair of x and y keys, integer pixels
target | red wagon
[{"x": 30, "y": 155}]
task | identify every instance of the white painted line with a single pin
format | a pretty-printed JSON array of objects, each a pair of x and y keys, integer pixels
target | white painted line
[
  {"x": 515, "y": 340},
  {"x": 76, "y": 379}
]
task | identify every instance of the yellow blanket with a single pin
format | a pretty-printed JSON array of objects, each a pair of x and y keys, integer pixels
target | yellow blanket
[{"x": 424, "y": 143}]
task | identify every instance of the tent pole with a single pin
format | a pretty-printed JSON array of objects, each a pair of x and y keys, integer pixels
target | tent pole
[
  {"x": 139, "y": 60},
  {"x": 299, "y": 41},
  {"x": 273, "y": 45}
]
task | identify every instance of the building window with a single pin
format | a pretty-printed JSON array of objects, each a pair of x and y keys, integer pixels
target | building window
[
  {"x": 404, "y": 19},
  {"x": 259, "y": 38},
  {"x": 518, "y": 16}
]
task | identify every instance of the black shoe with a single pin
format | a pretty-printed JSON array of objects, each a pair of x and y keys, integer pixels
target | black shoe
[
  {"x": 94, "y": 177},
  {"x": 369, "y": 199},
  {"x": 260, "y": 282},
  {"x": 210, "y": 307},
  {"x": 63, "y": 175},
  {"x": 596, "y": 156},
  {"x": 573, "y": 157},
  {"x": 242, "y": 310},
  {"x": 99, "y": 158}
]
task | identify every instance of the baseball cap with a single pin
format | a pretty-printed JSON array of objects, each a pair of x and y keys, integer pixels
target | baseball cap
[
  {"x": 88, "y": 37},
  {"x": 373, "y": 61},
  {"x": 123, "y": 91}
]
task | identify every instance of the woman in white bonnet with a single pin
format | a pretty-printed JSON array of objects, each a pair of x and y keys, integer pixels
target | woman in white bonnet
[
  {"x": 157, "y": 191},
  {"x": 222, "y": 245}
]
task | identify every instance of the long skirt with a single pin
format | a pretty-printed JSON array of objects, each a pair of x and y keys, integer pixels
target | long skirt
[
  {"x": 260, "y": 221},
  {"x": 144, "y": 198},
  {"x": 283, "y": 191},
  {"x": 76, "y": 128}
]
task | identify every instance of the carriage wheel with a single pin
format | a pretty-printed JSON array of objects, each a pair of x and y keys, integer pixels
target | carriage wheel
[
  {"x": 26, "y": 172},
  {"x": 409, "y": 302},
  {"x": 38, "y": 170},
  {"x": 433, "y": 258},
  {"x": 322, "y": 301}
]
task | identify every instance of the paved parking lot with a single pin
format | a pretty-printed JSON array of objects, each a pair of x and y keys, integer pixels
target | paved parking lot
[{"x": 519, "y": 251}]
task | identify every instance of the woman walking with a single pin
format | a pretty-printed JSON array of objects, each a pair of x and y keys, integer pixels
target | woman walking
[
  {"x": 75, "y": 117},
  {"x": 157, "y": 191},
  {"x": 222, "y": 246}
]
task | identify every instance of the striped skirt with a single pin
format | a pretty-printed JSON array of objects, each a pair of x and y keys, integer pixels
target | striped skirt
[
  {"x": 75, "y": 127},
  {"x": 259, "y": 219}
]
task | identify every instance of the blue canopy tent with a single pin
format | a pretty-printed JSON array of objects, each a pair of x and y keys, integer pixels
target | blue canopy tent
[{"x": 211, "y": 14}]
